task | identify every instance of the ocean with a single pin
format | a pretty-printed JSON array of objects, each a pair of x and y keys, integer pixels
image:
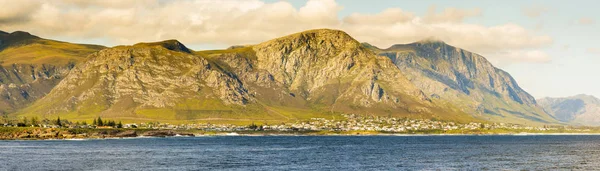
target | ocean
[{"x": 531, "y": 152}]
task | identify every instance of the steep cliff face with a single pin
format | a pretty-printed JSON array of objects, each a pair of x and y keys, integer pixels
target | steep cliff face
[
  {"x": 128, "y": 81},
  {"x": 32, "y": 66},
  {"x": 316, "y": 73},
  {"x": 577, "y": 110},
  {"x": 20, "y": 84},
  {"x": 466, "y": 80},
  {"x": 325, "y": 70}
]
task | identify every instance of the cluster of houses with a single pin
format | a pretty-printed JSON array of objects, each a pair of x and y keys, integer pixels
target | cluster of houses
[
  {"x": 350, "y": 122},
  {"x": 391, "y": 124}
]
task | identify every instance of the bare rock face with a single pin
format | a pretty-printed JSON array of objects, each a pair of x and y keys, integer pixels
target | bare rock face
[
  {"x": 324, "y": 67},
  {"x": 22, "y": 84},
  {"x": 318, "y": 71},
  {"x": 465, "y": 79},
  {"x": 144, "y": 75}
]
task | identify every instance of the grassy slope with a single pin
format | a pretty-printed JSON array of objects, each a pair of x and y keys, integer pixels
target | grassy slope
[
  {"x": 31, "y": 58},
  {"x": 43, "y": 51}
]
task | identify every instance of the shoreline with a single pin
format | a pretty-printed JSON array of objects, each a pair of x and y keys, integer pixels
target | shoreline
[
  {"x": 29, "y": 133},
  {"x": 309, "y": 135}
]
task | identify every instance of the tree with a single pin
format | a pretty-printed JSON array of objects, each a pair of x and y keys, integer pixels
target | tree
[
  {"x": 34, "y": 121},
  {"x": 110, "y": 123},
  {"x": 84, "y": 123},
  {"x": 25, "y": 121},
  {"x": 120, "y": 125},
  {"x": 5, "y": 118},
  {"x": 253, "y": 126},
  {"x": 58, "y": 122},
  {"x": 100, "y": 123},
  {"x": 94, "y": 122}
]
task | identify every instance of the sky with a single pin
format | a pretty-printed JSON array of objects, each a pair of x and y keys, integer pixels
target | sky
[{"x": 549, "y": 47}]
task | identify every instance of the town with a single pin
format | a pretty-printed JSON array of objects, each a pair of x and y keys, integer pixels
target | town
[{"x": 350, "y": 122}]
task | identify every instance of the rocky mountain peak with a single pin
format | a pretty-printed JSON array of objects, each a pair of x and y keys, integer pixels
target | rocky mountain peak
[
  {"x": 455, "y": 74},
  {"x": 172, "y": 44},
  {"x": 327, "y": 39}
]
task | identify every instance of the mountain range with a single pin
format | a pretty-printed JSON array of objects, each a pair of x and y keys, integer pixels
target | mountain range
[
  {"x": 577, "y": 110},
  {"x": 315, "y": 73}
]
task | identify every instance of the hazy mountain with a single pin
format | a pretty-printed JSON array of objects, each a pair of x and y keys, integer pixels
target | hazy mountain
[
  {"x": 580, "y": 109},
  {"x": 466, "y": 80},
  {"x": 316, "y": 73},
  {"x": 31, "y": 66}
]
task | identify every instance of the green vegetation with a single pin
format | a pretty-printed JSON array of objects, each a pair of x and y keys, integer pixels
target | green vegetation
[{"x": 49, "y": 52}]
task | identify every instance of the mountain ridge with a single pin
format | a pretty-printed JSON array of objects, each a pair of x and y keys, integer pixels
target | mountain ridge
[
  {"x": 467, "y": 79},
  {"x": 31, "y": 66},
  {"x": 314, "y": 73},
  {"x": 320, "y": 72},
  {"x": 171, "y": 44},
  {"x": 579, "y": 109}
]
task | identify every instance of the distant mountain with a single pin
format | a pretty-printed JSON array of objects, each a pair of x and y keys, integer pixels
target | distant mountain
[
  {"x": 316, "y": 73},
  {"x": 31, "y": 66},
  {"x": 580, "y": 109},
  {"x": 466, "y": 80}
]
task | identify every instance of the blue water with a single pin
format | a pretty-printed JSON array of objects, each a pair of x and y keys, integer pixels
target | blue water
[{"x": 307, "y": 153}]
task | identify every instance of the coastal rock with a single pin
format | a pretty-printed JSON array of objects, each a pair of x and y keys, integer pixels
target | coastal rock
[
  {"x": 129, "y": 133},
  {"x": 160, "y": 133}
]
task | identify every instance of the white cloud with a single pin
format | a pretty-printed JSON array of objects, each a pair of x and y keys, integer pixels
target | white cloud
[
  {"x": 504, "y": 44},
  {"x": 217, "y": 22},
  {"x": 17, "y": 11}
]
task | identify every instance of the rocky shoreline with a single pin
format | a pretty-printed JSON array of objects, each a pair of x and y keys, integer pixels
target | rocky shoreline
[
  {"x": 28, "y": 133},
  {"x": 56, "y": 133}
]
